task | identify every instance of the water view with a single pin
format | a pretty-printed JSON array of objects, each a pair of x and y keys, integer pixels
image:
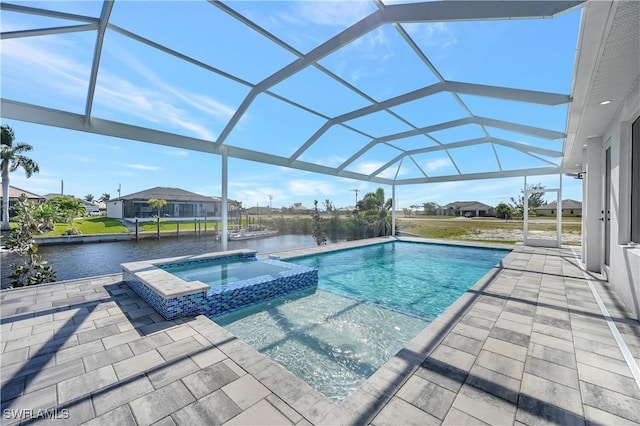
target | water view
[{"x": 86, "y": 260}]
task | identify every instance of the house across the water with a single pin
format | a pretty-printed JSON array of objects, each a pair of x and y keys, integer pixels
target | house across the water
[{"x": 181, "y": 204}]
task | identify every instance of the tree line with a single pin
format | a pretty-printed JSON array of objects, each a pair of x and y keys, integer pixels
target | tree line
[{"x": 370, "y": 218}]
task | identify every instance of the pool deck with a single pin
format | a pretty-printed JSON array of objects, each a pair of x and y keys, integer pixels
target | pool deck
[{"x": 528, "y": 344}]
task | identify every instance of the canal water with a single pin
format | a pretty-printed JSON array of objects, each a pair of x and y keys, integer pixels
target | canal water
[{"x": 86, "y": 260}]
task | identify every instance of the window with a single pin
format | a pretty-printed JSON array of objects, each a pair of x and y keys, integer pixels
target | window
[{"x": 635, "y": 181}]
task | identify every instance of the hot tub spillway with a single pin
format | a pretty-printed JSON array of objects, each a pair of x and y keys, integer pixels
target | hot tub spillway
[{"x": 175, "y": 297}]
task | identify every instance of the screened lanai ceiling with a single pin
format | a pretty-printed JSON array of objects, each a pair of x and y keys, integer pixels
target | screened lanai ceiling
[{"x": 388, "y": 92}]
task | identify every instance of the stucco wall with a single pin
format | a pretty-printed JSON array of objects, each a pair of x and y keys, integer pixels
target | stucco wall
[
  {"x": 624, "y": 271},
  {"x": 114, "y": 209}
]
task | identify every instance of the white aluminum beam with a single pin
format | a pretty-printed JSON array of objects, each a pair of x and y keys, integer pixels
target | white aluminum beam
[
  {"x": 443, "y": 11},
  {"x": 45, "y": 12},
  {"x": 47, "y": 31},
  {"x": 495, "y": 153},
  {"x": 326, "y": 126},
  {"x": 30, "y": 113},
  {"x": 255, "y": 27},
  {"x": 418, "y": 166},
  {"x": 527, "y": 148},
  {"x": 519, "y": 95},
  {"x": 51, "y": 117},
  {"x": 224, "y": 169},
  {"x": 393, "y": 210},
  {"x": 353, "y": 32},
  {"x": 428, "y": 129},
  {"x": 97, "y": 53},
  {"x": 355, "y": 156},
  {"x": 370, "y": 109},
  {"x": 422, "y": 12},
  {"x": 520, "y": 128},
  {"x": 540, "y": 171},
  {"x": 178, "y": 55},
  {"x": 506, "y": 125},
  {"x": 431, "y": 149}
]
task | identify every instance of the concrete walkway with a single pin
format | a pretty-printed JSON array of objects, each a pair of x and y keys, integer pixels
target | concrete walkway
[{"x": 528, "y": 344}]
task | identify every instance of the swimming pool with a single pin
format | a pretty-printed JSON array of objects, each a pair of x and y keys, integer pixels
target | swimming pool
[{"x": 370, "y": 301}]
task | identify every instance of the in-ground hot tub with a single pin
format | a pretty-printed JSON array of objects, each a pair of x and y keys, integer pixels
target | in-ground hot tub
[{"x": 213, "y": 284}]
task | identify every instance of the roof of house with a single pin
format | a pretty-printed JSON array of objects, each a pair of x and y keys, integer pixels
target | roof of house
[
  {"x": 53, "y": 195},
  {"x": 467, "y": 205},
  {"x": 16, "y": 192},
  {"x": 566, "y": 204},
  {"x": 166, "y": 193}
]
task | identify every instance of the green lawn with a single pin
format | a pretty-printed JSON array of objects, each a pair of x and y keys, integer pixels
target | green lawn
[
  {"x": 92, "y": 225},
  {"x": 173, "y": 226}
]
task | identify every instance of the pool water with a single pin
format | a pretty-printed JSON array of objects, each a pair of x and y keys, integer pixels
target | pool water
[
  {"x": 414, "y": 278},
  {"x": 217, "y": 272},
  {"x": 370, "y": 302}
]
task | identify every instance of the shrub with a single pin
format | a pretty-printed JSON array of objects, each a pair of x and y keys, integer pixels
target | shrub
[{"x": 31, "y": 267}]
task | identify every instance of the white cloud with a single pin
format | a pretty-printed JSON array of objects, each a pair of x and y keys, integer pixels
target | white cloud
[
  {"x": 203, "y": 103},
  {"x": 26, "y": 59},
  {"x": 331, "y": 13},
  {"x": 436, "y": 35},
  {"x": 330, "y": 160},
  {"x": 150, "y": 105},
  {"x": 251, "y": 197},
  {"x": 368, "y": 167},
  {"x": 36, "y": 183},
  {"x": 304, "y": 187},
  {"x": 159, "y": 102},
  {"x": 437, "y": 164},
  {"x": 124, "y": 173},
  {"x": 176, "y": 153},
  {"x": 142, "y": 167},
  {"x": 81, "y": 158}
]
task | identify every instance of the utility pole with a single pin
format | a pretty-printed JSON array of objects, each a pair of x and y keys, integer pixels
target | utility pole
[
  {"x": 356, "y": 191},
  {"x": 270, "y": 199},
  {"x": 119, "y": 188}
]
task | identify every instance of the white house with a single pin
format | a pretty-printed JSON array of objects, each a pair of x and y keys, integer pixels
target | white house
[{"x": 603, "y": 143}]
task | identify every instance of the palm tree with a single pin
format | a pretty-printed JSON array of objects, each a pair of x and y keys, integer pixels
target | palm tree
[
  {"x": 89, "y": 198},
  {"x": 157, "y": 203},
  {"x": 12, "y": 159},
  {"x": 376, "y": 212},
  {"x": 104, "y": 197}
]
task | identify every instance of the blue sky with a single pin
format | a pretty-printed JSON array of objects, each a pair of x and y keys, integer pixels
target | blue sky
[{"x": 141, "y": 86}]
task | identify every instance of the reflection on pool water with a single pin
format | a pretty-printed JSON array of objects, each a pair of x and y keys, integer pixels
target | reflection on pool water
[
  {"x": 218, "y": 272},
  {"x": 370, "y": 302}
]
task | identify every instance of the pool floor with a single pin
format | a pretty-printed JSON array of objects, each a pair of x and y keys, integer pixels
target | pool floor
[{"x": 333, "y": 342}]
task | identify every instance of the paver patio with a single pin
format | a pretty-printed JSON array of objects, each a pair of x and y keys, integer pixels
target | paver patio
[{"x": 528, "y": 344}]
